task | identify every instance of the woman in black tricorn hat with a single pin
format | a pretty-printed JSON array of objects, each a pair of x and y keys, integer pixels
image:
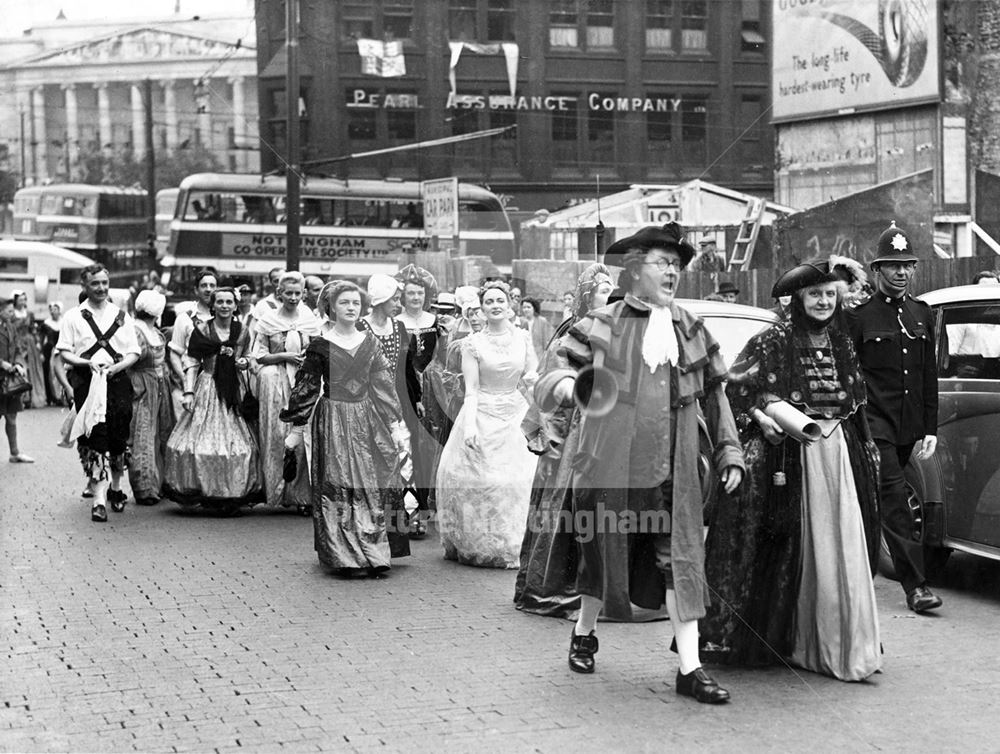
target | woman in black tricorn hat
[{"x": 791, "y": 563}]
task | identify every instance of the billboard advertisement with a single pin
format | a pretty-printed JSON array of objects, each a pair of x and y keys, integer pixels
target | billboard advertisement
[{"x": 843, "y": 56}]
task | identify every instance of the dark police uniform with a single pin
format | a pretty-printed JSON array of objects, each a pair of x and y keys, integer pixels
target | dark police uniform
[{"x": 894, "y": 339}]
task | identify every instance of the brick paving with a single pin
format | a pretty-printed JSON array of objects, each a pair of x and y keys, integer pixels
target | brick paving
[{"x": 170, "y": 631}]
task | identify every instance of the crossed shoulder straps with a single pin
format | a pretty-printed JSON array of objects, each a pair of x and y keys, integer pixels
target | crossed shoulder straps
[{"x": 103, "y": 339}]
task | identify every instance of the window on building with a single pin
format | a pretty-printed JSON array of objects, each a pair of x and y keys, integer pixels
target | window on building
[
  {"x": 377, "y": 19},
  {"x": 694, "y": 120},
  {"x": 659, "y": 24},
  {"x": 600, "y": 23},
  {"x": 503, "y": 148},
  {"x": 694, "y": 24},
  {"x": 659, "y": 124},
  {"x": 565, "y": 131},
  {"x": 481, "y": 20},
  {"x": 751, "y": 38},
  {"x": 500, "y": 20},
  {"x": 563, "y": 20},
  {"x": 601, "y": 134},
  {"x": 751, "y": 126}
]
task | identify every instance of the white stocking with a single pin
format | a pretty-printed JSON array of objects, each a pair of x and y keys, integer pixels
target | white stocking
[
  {"x": 590, "y": 608},
  {"x": 686, "y": 634}
]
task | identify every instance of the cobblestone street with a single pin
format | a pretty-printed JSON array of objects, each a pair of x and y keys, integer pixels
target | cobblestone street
[{"x": 170, "y": 631}]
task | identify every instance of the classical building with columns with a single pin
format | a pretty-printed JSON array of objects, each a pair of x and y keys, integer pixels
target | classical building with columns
[{"x": 80, "y": 87}]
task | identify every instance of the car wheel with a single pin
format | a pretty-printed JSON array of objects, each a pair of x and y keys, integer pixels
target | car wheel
[{"x": 935, "y": 558}]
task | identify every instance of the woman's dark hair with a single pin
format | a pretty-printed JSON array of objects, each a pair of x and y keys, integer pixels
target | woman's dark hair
[
  {"x": 498, "y": 285},
  {"x": 215, "y": 294},
  {"x": 327, "y": 299},
  {"x": 535, "y": 304}
]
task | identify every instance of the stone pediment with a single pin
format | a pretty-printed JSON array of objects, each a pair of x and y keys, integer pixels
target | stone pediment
[{"x": 145, "y": 45}]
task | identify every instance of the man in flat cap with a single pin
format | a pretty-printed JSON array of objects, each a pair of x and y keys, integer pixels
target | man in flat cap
[
  {"x": 709, "y": 258},
  {"x": 893, "y": 334},
  {"x": 728, "y": 291},
  {"x": 636, "y": 490}
]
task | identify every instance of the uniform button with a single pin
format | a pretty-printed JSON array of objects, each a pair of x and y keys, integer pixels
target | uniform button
[
  {"x": 906, "y": 392},
  {"x": 906, "y": 371},
  {"x": 663, "y": 382},
  {"x": 904, "y": 350}
]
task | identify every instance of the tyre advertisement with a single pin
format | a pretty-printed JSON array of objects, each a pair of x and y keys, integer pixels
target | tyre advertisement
[{"x": 841, "y": 56}]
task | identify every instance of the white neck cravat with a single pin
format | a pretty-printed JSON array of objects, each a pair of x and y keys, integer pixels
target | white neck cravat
[{"x": 659, "y": 342}]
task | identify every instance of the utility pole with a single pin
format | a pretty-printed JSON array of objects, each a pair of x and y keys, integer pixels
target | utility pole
[
  {"x": 147, "y": 101},
  {"x": 292, "y": 165},
  {"x": 24, "y": 163}
]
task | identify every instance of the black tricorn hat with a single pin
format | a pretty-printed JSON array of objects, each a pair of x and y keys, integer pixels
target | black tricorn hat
[
  {"x": 727, "y": 287},
  {"x": 894, "y": 246},
  {"x": 820, "y": 270},
  {"x": 669, "y": 236}
]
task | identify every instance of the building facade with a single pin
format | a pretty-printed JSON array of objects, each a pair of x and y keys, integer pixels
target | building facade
[
  {"x": 72, "y": 89},
  {"x": 615, "y": 91}
]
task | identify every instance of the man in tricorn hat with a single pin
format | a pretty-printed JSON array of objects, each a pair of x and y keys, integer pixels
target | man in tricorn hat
[
  {"x": 893, "y": 334},
  {"x": 636, "y": 491}
]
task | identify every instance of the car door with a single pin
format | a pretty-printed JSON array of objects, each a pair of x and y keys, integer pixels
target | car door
[{"x": 969, "y": 419}]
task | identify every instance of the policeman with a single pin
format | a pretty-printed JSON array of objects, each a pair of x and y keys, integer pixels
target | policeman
[{"x": 894, "y": 337}]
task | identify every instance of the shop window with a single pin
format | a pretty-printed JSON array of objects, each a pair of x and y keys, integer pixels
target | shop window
[
  {"x": 402, "y": 125},
  {"x": 659, "y": 125},
  {"x": 601, "y": 135},
  {"x": 565, "y": 132},
  {"x": 694, "y": 120},
  {"x": 361, "y": 125}
]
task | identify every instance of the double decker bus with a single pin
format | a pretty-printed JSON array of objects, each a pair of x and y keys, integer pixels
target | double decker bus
[
  {"x": 348, "y": 229},
  {"x": 107, "y": 224}
]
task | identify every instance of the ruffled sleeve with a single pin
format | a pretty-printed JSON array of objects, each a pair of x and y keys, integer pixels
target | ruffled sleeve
[
  {"x": 306, "y": 391},
  {"x": 757, "y": 372}
]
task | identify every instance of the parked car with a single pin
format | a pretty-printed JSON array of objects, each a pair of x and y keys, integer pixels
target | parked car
[
  {"x": 732, "y": 325},
  {"x": 955, "y": 494}
]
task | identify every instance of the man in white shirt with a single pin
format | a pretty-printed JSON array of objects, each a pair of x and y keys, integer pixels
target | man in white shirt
[{"x": 98, "y": 342}]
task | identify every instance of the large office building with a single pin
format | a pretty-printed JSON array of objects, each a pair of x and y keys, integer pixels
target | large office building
[{"x": 610, "y": 91}]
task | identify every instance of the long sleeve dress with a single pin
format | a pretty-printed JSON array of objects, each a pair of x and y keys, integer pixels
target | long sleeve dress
[
  {"x": 152, "y": 415},
  {"x": 348, "y": 399},
  {"x": 483, "y": 492},
  {"x": 274, "y": 386},
  {"x": 790, "y": 561},
  {"x": 211, "y": 457}
]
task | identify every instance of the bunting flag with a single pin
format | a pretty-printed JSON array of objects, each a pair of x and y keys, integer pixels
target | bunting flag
[
  {"x": 380, "y": 58},
  {"x": 509, "y": 50}
]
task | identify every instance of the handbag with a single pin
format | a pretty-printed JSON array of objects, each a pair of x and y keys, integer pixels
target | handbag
[
  {"x": 13, "y": 384},
  {"x": 249, "y": 405}
]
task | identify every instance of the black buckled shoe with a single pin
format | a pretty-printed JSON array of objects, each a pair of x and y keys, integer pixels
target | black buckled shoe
[
  {"x": 701, "y": 686},
  {"x": 922, "y": 599},
  {"x": 581, "y": 652},
  {"x": 117, "y": 499},
  {"x": 99, "y": 513}
]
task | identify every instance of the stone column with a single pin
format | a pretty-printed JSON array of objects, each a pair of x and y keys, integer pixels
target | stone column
[
  {"x": 72, "y": 129},
  {"x": 203, "y": 99},
  {"x": 170, "y": 106},
  {"x": 138, "y": 124},
  {"x": 103, "y": 116},
  {"x": 239, "y": 121},
  {"x": 39, "y": 145}
]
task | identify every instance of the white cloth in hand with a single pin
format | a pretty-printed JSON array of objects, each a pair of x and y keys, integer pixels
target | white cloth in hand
[{"x": 95, "y": 408}]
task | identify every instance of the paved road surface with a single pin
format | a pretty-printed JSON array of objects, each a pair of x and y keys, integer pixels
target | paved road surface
[{"x": 169, "y": 631}]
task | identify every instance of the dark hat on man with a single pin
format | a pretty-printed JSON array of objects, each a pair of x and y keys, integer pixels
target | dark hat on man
[
  {"x": 894, "y": 246},
  {"x": 727, "y": 287},
  {"x": 669, "y": 236},
  {"x": 820, "y": 270}
]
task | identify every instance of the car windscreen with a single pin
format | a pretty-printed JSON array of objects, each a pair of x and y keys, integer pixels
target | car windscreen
[{"x": 733, "y": 333}]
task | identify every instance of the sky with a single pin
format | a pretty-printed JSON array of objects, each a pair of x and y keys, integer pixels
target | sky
[{"x": 18, "y": 15}]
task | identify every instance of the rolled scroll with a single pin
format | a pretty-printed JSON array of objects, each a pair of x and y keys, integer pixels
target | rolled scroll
[{"x": 794, "y": 423}]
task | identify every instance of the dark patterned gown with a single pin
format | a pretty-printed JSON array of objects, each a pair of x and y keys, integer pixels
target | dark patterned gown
[{"x": 353, "y": 455}]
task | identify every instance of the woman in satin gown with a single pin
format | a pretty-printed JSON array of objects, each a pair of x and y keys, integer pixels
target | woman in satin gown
[
  {"x": 345, "y": 396},
  {"x": 790, "y": 562},
  {"x": 279, "y": 344},
  {"x": 24, "y": 326},
  {"x": 211, "y": 457},
  {"x": 152, "y": 410},
  {"x": 485, "y": 472}
]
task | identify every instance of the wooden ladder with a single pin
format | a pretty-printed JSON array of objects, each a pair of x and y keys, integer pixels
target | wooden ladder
[{"x": 746, "y": 237}]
